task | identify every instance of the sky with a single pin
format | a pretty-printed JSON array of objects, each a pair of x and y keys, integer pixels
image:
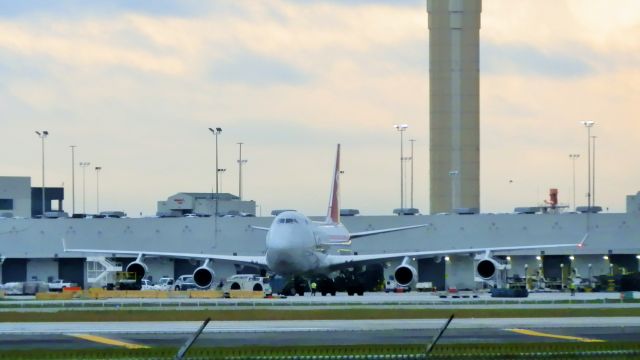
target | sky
[{"x": 135, "y": 85}]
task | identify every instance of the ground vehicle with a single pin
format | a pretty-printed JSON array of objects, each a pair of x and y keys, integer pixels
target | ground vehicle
[
  {"x": 59, "y": 285},
  {"x": 248, "y": 282},
  {"x": 393, "y": 286},
  {"x": 165, "y": 283},
  {"x": 184, "y": 282},
  {"x": 424, "y": 286},
  {"x": 146, "y": 284}
]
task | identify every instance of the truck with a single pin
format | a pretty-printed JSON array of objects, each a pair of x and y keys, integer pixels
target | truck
[{"x": 59, "y": 285}]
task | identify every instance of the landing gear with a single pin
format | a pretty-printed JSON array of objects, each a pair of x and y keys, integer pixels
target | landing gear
[
  {"x": 295, "y": 286},
  {"x": 326, "y": 286},
  {"x": 351, "y": 282}
]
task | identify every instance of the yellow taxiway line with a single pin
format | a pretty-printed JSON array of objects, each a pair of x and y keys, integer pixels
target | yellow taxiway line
[
  {"x": 554, "y": 336},
  {"x": 107, "y": 341}
]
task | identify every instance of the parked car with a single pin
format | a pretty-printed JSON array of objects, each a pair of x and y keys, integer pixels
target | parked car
[
  {"x": 165, "y": 283},
  {"x": 184, "y": 282},
  {"x": 146, "y": 285},
  {"x": 59, "y": 285}
]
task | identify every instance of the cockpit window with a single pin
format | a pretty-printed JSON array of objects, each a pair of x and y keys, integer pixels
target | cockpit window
[{"x": 287, "y": 221}]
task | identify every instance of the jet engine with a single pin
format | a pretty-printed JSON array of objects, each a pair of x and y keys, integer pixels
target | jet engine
[
  {"x": 405, "y": 273},
  {"x": 138, "y": 267},
  {"x": 203, "y": 276},
  {"x": 487, "y": 267}
]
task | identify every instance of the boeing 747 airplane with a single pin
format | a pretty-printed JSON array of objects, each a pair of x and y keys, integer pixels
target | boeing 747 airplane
[{"x": 299, "y": 247}]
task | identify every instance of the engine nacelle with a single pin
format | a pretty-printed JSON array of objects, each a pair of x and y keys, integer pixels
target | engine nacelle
[
  {"x": 487, "y": 267},
  {"x": 405, "y": 274},
  {"x": 139, "y": 268},
  {"x": 203, "y": 276}
]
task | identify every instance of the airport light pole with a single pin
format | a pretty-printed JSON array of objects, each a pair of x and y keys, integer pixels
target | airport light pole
[
  {"x": 573, "y": 158},
  {"x": 216, "y": 132},
  {"x": 412, "y": 142},
  {"x": 84, "y": 165},
  {"x": 401, "y": 129},
  {"x": 98, "y": 168},
  {"x": 454, "y": 175},
  {"x": 588, "y": 125},
  {"x": 73, "y": 180},
  {"x": 43, "y": 135},
  {"x": 593, "y": 172},
  {"x": 240, "y": 163}
]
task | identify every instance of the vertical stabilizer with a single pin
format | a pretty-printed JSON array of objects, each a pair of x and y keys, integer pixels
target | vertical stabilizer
[{"x": 333, "y": 213}]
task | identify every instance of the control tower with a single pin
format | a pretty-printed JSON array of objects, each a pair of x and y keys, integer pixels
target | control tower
[{"x": 454, "y": 101}]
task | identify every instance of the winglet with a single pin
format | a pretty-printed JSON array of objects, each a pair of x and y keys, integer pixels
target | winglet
[{"x": 333, "y": 213}]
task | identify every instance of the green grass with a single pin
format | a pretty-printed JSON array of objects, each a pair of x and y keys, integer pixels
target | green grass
[
  {"x": 304, "y": 314},
  {"x": 444, "y": 351}
]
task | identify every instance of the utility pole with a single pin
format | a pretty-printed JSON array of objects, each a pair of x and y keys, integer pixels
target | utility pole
[
  {"x": 73, "y": 180},
  {"x": 98, "y": 168},
  {"x": 412, "y": 141},
  {"x": 84, "y": 165},
  {"x": 240, "y": 163},
  {"x": 573, "y": 158},
  {"x": 43, "y": 135},
  {"x": 401, "y": 129}
]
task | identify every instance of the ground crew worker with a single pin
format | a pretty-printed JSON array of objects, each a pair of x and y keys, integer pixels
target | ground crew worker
[
  {"x": 572, "y": 288},
  {"x": 314, "y": 286}
]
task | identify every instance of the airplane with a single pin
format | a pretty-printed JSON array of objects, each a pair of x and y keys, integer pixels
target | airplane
[{"x": 298, "y": 247}]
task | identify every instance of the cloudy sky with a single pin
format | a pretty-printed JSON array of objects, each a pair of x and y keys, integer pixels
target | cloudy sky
[{"x": 135, "y": 85}]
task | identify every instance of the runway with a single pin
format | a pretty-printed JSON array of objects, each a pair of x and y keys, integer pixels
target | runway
[{"x": 321, "y": 332}]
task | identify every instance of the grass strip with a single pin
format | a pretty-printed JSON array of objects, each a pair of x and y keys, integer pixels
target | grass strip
[
  {"x": 311, "y": 314},
  {"x": 617, "y": 350}
]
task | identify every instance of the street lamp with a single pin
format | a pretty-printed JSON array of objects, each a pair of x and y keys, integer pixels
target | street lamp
[
  {"x": 98, "y": 168},
  {"x": 454, "y": 175},
  {"x": 43, "y": 135},
  {"x": 216, "y": 132},
  {"x": 412, "y": 142},
  {"x": 84, "y": 165},
  {"x": 240, "y": 163},
  {"x": 573, "y": 158},
  {"x": 73, "y": 180},
  {"x": 588, "y": 125},
  {"x": 401, "y": 129}
]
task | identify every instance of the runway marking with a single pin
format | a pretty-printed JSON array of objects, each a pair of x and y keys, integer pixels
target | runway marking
[
  {"x": 107, "y": 341},
  {"x": 554, "y": 336}
]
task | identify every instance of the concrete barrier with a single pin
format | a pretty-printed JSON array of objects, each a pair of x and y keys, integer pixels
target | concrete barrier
[
  {"x": 245, "y": 294},
  {"x": 55, "y": 296},
  {"x": 211, "y": 294}
]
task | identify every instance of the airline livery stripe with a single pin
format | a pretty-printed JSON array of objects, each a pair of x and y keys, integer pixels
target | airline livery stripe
[
  {"x": 554, "y": 336},
  {"x": 107, "y": 341}
]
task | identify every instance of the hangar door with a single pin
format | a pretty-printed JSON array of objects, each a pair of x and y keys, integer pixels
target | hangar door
[
  {"x": 431, "y": 270},
  {"x": 184, "y": 267},
  {"x": 72, "y": 270},
  {"x": 14, "y": 270}
]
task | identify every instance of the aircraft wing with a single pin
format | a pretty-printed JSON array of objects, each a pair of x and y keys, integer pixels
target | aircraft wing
[
  {"x": 344, "y": 261},
  {"x": 382, "y": 231},
  {"x": 244, "y": 260},
  {"x": 260, "y": 228}
]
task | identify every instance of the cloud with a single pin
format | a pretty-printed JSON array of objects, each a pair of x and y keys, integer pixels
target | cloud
[
  {"x": 252, "y": 69},
  {"x": 526, "y": 60},
  {"x": 136, "y": 89}
]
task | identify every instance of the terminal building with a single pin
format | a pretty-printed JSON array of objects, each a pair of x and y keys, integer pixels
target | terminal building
[{"x": 31, "y": 248}]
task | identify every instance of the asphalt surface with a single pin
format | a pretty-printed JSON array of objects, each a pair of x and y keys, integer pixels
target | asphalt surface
[{"x": 280, "y": 333}]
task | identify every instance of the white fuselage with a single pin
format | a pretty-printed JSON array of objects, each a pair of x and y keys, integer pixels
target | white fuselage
[{"x": 296, "y": 245}]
